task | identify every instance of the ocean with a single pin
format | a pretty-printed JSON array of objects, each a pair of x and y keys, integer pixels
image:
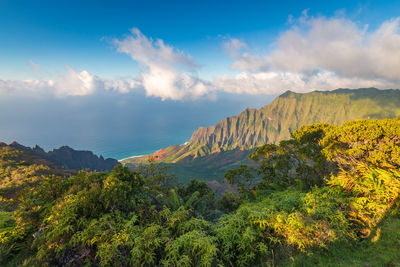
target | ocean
[{"x": 115, "y": 126}]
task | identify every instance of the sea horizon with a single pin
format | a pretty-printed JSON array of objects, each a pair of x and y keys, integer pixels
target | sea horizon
[{"x": 132, "y": 128}]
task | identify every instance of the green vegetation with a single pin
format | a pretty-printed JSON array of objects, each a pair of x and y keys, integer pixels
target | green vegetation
[
  {"x": 6, "y": 221},
  {"x": 20, "y": 171},
  {"x": 328, "y": 195}
]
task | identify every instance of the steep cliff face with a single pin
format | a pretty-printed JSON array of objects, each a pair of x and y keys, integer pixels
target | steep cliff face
[{"x": 274, "y": 122}]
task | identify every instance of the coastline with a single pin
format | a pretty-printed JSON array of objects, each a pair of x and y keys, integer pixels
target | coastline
[
  {"x": 137, "y": 156},
  {"x": 132, "y": 157}
]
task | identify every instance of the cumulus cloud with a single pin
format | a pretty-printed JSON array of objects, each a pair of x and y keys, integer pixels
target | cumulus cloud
[
  {"x": 76, "y": 83},
  {"x": 166, "y": 72},
  {"x": 73, "y": 83},
  {"x": 319, "y": 54}
]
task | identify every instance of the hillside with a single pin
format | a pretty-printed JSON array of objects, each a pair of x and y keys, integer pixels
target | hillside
[
  {"x": 69, "y": 159},
  {"x": 274, "y": 122},
  {"x": 20, "y": 170}
]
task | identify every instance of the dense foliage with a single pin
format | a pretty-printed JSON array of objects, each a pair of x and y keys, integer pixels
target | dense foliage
[{"x": 325, "y": 186}]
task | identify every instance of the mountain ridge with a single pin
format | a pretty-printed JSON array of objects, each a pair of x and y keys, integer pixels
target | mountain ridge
[
  {"x": 274, "y": 122},
  {"x": 70, "y": 159}
]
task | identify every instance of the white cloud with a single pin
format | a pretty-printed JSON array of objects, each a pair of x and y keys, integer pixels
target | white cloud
[
  {"x": 148, "y": 52},
  {"x": 242, "y": 59},
  {"x": 319, "y": 54},
  {"x": 120, "y": 85},
  {"x": 166, "y": 72},
  {"x": 15, "y": 87},
  {"x": 76, "y": 83},
  {"x": 73, "y": 83}
]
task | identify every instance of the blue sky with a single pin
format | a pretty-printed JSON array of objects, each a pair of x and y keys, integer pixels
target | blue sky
[
  {"x": 78, "y": 33},
  {"x": 66, "y": 66}
]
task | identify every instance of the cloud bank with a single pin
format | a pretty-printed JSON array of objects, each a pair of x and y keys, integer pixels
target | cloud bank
[
  {"x": 72, "y": 83},
  {"x": 318, "y": 54}
]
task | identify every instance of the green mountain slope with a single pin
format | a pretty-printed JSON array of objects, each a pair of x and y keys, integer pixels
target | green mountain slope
[{"x": 273, "y": 123}]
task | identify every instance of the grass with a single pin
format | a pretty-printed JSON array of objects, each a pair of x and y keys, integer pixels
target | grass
[
  {"x": 384, "y": 252},
  {"x": 6, "y": 221}
]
